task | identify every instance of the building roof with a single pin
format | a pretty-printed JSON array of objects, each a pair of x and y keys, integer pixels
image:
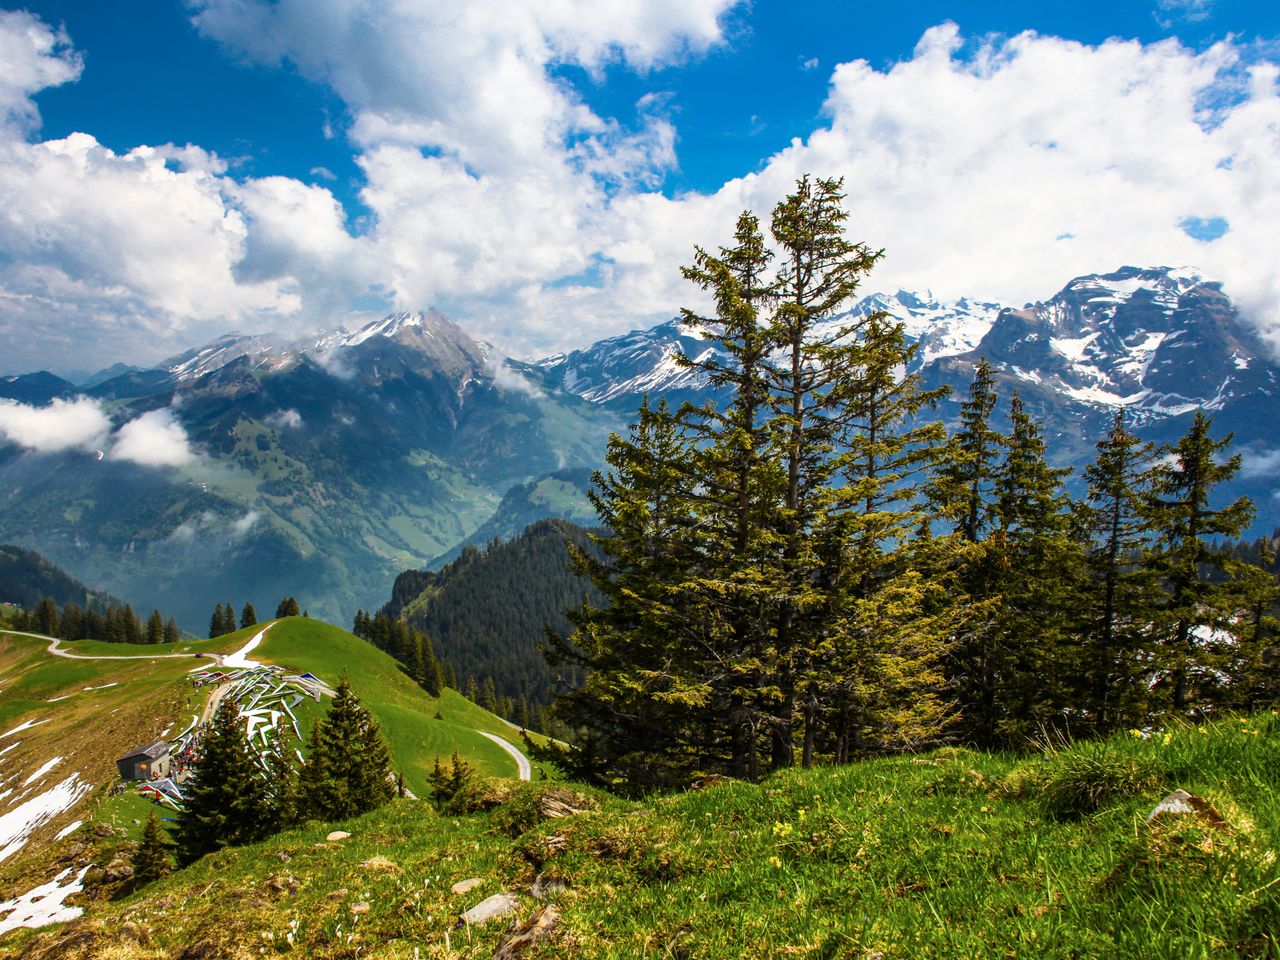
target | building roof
[{"x": 151, "y": 752}]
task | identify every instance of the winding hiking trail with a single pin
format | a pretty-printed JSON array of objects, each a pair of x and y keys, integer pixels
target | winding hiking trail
[
  {"x": 237, "y": 660},
  {"x": 522, "y": 762}
]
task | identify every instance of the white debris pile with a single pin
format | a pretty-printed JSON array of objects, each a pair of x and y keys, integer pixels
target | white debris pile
[
  {"x": 43, "y": 904},
  {"x": 17, "y": 826}
]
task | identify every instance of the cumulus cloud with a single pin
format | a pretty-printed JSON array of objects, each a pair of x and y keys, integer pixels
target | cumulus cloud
[
  {"x": 998, "y": 168},
  {"x": 210, "y": 530},
  {"x": 155, "y": 439},
  {"x": 509, "y": 380},
  {"x": 1259, "y": 463},
  {"x": 78, "y": 424}
]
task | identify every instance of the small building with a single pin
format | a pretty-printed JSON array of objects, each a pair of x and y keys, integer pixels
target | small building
[{"x": 146, "y": 763}]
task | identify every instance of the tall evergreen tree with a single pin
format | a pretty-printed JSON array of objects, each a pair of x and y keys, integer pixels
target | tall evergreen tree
[
  {"x": 1115, "y": 608},
  {"x": 348, "y": 767},
  {"x": 226, "y": 795},
  {"x": 248, "y": 616},
  {"x": 1036, "y": 574},
  {"x": 155, "y": 628},
  {"x": 1183, "y": 519},
  {"x": 288, "y": 607},
  {"x": 171, "y": 632}
]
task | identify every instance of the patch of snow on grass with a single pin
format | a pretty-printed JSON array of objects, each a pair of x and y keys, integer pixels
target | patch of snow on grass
[
  {"x": 70, "y": 827},
  {"x": 104, "y": 686},
  {"x": 43, "y": 905},
  {"x": 43, "y": 770},
  {"x": 66, "y": 696},
  {"x": 239, "y": 659},
  {"x": 16, "y": 743},
  {"x": 22, "y": 726},
  {"x": 18, "y": 824}
]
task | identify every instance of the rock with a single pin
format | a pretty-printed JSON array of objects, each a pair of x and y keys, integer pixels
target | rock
[
  {"x": 380, "y": 863},
  {"x": 544, "y": 886},
  {"x": 339, "y": 894},
  {"x": 337, "y": 835},
  {"x": 539, "y": 928},
  {"x": 116, "y": 870},
  {"x": 1182, "y": 804},
  {"x": 73, "y": 851},
  {"x": 103, "y": 830},
  {"x": 465, "y": 886},
  {"x": 499, "y": 905},
  {"x": 361, "y": 907}
]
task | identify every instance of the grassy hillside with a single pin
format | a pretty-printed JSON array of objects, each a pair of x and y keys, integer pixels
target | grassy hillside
[
  {"x": 63, "y": 722},
  {"x": 951, "y": 854}
]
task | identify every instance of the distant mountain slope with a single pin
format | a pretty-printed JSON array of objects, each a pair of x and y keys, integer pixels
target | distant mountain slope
[
  {"x": 37, "y": 388},
  {"x": 485, "y": 612},
  {"x": 322, "y": 468},
  {"x": 26, "y": 577}
]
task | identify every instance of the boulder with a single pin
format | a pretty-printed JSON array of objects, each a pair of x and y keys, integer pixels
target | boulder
[
  {"x": 499, "y": 905},
  {"x": 337, "y": 835},
  {"x": 466, "y": 886},
  {"x": 1183, "y": 804}
]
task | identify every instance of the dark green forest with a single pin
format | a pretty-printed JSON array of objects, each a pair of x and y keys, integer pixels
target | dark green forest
[{"x": 817, "y": 572}]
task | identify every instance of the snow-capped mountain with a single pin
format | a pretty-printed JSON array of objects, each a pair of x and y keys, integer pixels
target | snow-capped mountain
[{"x": 1159, "y": 341}]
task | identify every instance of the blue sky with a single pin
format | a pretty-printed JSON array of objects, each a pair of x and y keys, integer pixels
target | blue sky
[{"x": 540, "y": 171}]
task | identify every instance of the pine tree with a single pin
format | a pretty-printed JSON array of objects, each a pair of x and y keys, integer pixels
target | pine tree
[
  {"x": 216, "y": 622},
  {"x": 1256, "y": 666},
  {"x": 1182, "y": 518},
  {"x": 171, "y": 632},
  {"x": 46, "y": 617},
  {"x": 281, "y": 808},
  {"x": 155, "y": 628},
  {"x": 288, "y": 607},
  {"x": 248, "y": 616},
  {"x": 1115, "y": 608},
  {"x": 226, "y": 796},
  {"x": 151, "y": 860},
  {"x": 348, "y": 766}
]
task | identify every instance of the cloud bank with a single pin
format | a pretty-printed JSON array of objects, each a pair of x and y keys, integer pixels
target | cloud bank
[
  {"x": 997, "y": 168},
  {"x": 155, "y": 439},
  {"x": 78, "y": 424}
]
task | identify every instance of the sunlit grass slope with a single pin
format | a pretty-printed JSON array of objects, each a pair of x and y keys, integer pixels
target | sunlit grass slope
[
  {"x": 953, "y": 854},
  {"x": 418, "y": 727}
]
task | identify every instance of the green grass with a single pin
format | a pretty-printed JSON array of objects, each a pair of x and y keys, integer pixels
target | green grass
[
  {"x": 406, "y": 713},
  {"x": 952, "y": 854}
]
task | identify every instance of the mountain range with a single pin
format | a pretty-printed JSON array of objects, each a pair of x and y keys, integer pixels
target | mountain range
[{"x": 323, "y": 466}]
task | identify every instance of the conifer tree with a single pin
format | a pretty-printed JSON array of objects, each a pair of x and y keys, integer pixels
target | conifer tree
[
  {"x": 216, "y": 622},
  {"x": 248, "y": 616},
  {"x": 281, "y": 807},
  {"x": 1036, "y": 573},
  {"x": 1116, "y": 606},
  {"x": 152, "y": 859},
  {"x": 1256, "y": 660},
  {"x": 348, "y": 767},
  {"x": 155, "y": 628},
  {"x": 288, "y": 607},
  {"x": 1182, "y": 518},
  {"x": 46, "y": 617},
  {"x": 171, "y": 632},
  {"x": 226, "y": 796}
]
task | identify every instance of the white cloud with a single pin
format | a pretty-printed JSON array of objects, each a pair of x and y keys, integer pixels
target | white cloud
[
  {"x": 155, "y": 439},
  {"x": 33, "y": 57},
  {"x": 998, "y": 169},
  {"x": 1259, "y": 463},
  {"x": 78, "y": 424},
  {"x": 285, "y": 419}
]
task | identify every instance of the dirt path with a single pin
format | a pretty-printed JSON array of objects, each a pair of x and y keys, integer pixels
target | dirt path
[
  {"x": 522, "y": 762},
  {"x": 57, "y": 651}
]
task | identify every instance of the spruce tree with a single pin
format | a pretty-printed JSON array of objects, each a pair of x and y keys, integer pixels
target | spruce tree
[
  {"x": 216, "y": 622},
  {"x": 288, "y": 607},
  {"x": 348, "y": 767},
  {"x": 1036, "y": 574},
  {"x": 1256, "y": 659},
  {"x": 1195, "y": 603},
  {"x": 248, "y": 616},
  {"x": 1116, "y": 605},
  {"x": 155, "y": 628},
  {"x": 171, "y": 632},
  {"x": 226, "y": 795},
  {"x": 152, "y": 859}
]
